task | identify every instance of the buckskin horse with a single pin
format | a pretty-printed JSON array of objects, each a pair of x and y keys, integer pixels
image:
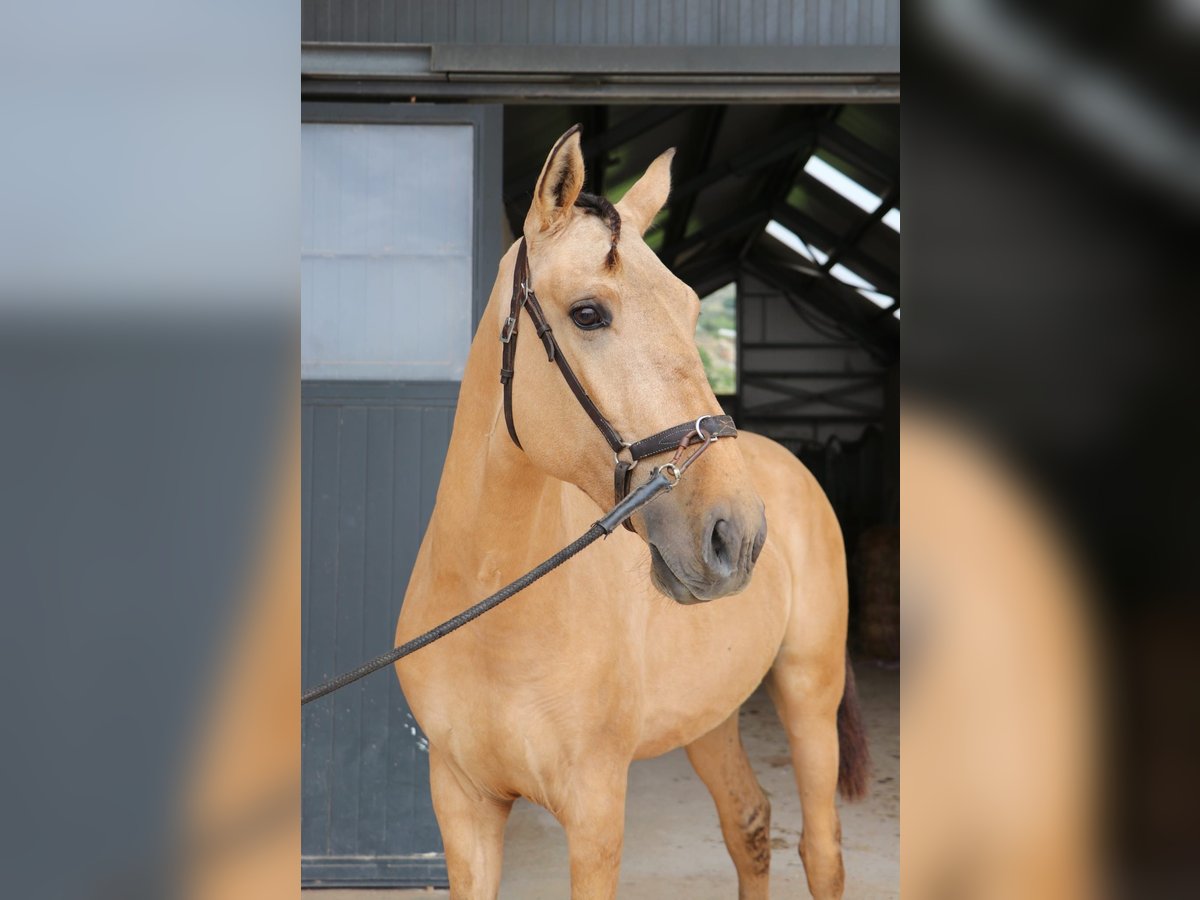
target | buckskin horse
[{"x": 654, "y": 637}]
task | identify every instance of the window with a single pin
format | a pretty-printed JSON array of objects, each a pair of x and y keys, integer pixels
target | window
[{"x": 387, "y": 251}]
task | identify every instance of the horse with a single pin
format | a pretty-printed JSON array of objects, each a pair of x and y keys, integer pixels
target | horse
[{"x": 652, "y": 638}]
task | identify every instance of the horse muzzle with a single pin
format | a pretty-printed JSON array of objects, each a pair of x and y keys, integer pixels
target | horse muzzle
[{"x": 716, "y": 561}]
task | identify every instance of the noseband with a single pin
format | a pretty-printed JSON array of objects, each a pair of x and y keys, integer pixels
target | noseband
[{"x": 704, "y": 430}]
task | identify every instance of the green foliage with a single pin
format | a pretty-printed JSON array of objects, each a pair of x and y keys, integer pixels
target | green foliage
[
  {"x": 722, "y": 380},
  {"x": 716, "y": 338}
]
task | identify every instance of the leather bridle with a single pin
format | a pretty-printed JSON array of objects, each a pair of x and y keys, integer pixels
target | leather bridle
[{"x": 704, "y": 430}]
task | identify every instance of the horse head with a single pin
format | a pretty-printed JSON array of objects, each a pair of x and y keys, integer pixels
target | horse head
[{"x": 627, "y": 325}]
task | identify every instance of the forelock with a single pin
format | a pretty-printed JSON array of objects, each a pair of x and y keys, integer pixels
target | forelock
[{"x": 607, "y": 213}]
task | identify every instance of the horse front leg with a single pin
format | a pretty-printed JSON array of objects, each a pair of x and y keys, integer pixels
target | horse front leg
[
  {"x": 593, "y": 816},
  {"x": 742, "y": 805},
  {"x": 472, "y": 826}
]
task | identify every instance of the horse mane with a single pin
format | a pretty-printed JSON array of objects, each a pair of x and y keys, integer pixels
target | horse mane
[{"x": 606, "y": 212}]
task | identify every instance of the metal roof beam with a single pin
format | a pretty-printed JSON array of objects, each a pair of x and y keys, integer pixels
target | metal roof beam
[
  {"x": 648, "y": 89},
  {"x": 681, "y": 204},
  {"x": 807, "y": 227},
  {"x": 850, "y": 240},
  {"x": 706, "y": 276},
  {"x": 780, "y": 181},
  {"x": 753, "y": 218},
  {"x": 858, "y": 152},
  {"x": 750, "y": 161},
  {"x": 881, "y": 339}
]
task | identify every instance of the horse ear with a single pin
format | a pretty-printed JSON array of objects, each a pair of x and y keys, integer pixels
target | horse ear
[
  {"x": 557, "y": 187},
  {"x": 642, "y": 202}
]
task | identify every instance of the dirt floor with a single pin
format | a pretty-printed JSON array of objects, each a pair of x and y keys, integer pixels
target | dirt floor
[{"x": 673, "y": 844}]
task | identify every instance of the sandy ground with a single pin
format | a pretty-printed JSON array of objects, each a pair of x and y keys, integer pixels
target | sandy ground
[{"x": 673, "y": 844}]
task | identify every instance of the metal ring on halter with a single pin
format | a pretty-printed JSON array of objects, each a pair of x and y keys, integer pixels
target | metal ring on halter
[
  {"x": 701, "y": 433},
  {"x": 625, "y": 445},
  {"x": 674, "y": 472}
]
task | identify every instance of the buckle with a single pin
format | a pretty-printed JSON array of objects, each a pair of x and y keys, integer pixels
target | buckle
[{"x": 509, "y": 329}]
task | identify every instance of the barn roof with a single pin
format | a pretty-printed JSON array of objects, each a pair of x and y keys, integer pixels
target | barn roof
[{"x": 805, "y": 198}]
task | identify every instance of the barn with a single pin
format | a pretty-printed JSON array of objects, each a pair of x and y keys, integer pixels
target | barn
[{"x": 425, "y": 124}]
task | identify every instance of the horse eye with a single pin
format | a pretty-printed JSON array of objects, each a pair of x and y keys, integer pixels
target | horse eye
[{"x": 588, "y": 317}]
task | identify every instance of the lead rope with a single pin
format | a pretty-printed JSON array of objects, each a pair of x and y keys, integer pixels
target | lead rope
[{"x": 663, "y": 479}]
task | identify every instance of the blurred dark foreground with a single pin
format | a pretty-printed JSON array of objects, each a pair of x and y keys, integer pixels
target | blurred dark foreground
[{"x": 1052, "y": 177}]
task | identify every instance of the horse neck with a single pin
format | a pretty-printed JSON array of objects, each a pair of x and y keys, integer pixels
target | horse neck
[{"x": 494, "y": 508}]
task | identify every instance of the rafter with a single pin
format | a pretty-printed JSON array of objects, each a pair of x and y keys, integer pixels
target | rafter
[
  {"x": 813, "y": 231},
  {"x": 878, "y": 338},
  {"x": 681, "y": 202}
]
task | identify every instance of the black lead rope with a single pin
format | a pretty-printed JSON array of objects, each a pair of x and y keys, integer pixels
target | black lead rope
[{"x": 658, "y": 483}]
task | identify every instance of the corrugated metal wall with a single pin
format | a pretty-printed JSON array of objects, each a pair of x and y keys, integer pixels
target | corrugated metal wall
[
  {"x": 371, "y": 467},
  {"x": 789, "y": 365},
  {"x": 669, "y": 23}
]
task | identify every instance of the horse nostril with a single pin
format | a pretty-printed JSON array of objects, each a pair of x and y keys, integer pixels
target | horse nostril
[{"x": 722, "y": 546}]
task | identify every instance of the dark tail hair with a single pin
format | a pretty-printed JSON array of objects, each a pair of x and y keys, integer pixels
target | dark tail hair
[{"x": 854, "y": 758}]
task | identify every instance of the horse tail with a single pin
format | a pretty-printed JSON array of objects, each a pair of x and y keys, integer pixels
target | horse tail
[{"x": 854, "y": 757}]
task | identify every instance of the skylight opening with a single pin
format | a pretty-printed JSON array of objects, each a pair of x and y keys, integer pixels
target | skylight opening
[
  {"x": 883, "y": 301},
  {"x": 790, "y": 239},
  {"x": 843, "y": 184},
  {"x": 844, "y": 275},
  {"x": 850, "y": 189}
]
